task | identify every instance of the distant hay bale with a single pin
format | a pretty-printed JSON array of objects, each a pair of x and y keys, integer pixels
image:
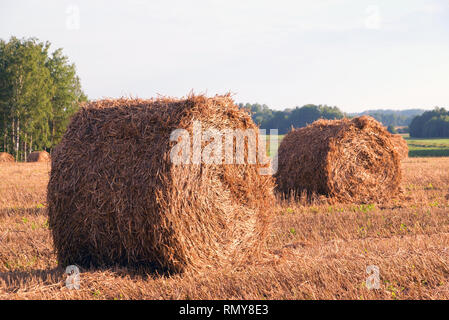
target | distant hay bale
[
  {"x": 401, "y": 146},
  {"x": 39, "y": 156},
  {"x": 349, "y": 161},
  {"x": 115, "y": 198},
  {"x": 6, "y": 157}
]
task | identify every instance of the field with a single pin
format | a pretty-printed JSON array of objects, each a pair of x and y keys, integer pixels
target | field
[
  {"x": 428, "y": 147},
  {"x": 315, "y": 251}
]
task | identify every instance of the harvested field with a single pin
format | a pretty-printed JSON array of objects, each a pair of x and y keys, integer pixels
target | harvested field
[
  {"x": 352, "y": 161},
  {"x": 314, "y": 251}
]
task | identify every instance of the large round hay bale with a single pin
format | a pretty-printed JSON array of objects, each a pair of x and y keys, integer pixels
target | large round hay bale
[
  {"x": 6, "y": 157},
  {"x": 401, "y": 146},
  {"x": 39, "y": 156},
  {"x": 346, "y": 160},
  {"x": 116, "y": 198}
]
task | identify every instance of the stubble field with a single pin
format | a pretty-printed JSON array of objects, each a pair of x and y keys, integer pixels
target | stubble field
[{"x": 315, "y": 250}]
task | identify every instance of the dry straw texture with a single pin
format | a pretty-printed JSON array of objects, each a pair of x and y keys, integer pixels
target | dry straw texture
[
  {"x": 346, "y": 160},
  {"x": 400, "y": 145},
  {"x": 114, "y": 196},
  {"x": 6, "y": 157},
  {"x": 39, "y": 156}
]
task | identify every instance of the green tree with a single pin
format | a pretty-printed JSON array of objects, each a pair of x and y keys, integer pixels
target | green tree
[
  {"x": 26, "y": 88},
  {"x": 38, "y": 94},
  {"x": 67, "y": 94},
  {"x": 285, "y": 120},
  {"x": 392, "y": 129},
  {"x": 431, "y": 124}
]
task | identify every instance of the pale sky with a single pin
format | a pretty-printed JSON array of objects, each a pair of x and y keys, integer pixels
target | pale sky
[{"x": 354, "y": 54}]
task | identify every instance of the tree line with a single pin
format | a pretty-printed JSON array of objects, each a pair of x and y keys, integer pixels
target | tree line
[
  {"x": 39, "y": 91},
  {"x": 395, "y": 118},
  {"x": 298, "y": 117},
  {"x": 431, "y": 124}
]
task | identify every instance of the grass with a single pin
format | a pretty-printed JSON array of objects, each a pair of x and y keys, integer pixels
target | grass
[
  {"x": 314, "y": 251},
  {"x": 428, "y": 147}
]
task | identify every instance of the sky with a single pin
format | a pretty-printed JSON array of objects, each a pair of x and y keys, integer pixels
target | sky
[{"x": 354, "y": 54}]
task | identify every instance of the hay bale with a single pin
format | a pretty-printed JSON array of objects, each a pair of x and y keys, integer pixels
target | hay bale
[
  {"x": 39, "y": 156},
  {"x": 115, "y": 197},
  {"x": 400, "y": 145},
  {"x": 349, "y": 161},
  {"x": 6, "y": 157}
]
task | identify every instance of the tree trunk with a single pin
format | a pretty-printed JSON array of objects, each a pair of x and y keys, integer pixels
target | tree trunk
[
  {"x": 18, "y": 138},
  {"x": 14, "y": 137},
  {"x": 25, "y": 148}
]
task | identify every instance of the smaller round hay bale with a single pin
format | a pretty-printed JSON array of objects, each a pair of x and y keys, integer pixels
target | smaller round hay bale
[
  {"x": 6, "y": 157},
  {"x": 39, "y": 156},
  {"x": 348, "y": 161},
  {"x": 400, "y": 145}
]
